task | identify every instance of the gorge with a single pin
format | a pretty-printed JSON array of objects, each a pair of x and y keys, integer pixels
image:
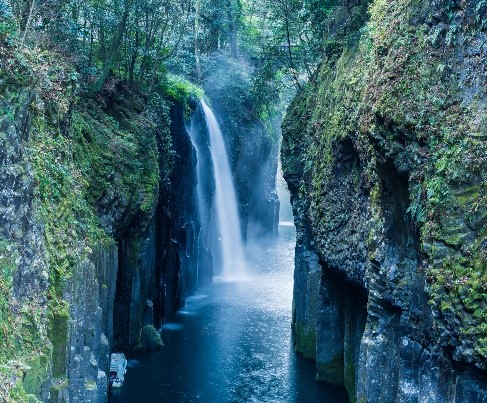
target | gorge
[{"x": 147, "y": 149}]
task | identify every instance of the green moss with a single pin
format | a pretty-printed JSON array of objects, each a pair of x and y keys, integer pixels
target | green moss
[
  {"x": 181, "y": 90},
  {"x": 59, "y": 385},
  {"x": 469, "y": 195},
  {"x": 58, "y": 389},
  {"x": 36, "y": 376},
  {"x": 332, "y": 371},
  {"x": 90, "y": 385},
  {"x": 23, "y": 353},
  {"x": 305, "y": 341},
  {"x": 58, "y": 335},
  {"x": 18, "y": 395},
  {"x": 78, "y": 153},
  {"x": 349, "y": 379},
  {"x": 150, "y": 338},
  {"x": 128, "y": 166},
  {"x": 8, "y": 257},
  {"x": 393, "y": 94},
  {"x": 460, "y": 289}
]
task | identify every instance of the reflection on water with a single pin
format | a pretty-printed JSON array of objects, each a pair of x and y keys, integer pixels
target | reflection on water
[{"x": 232, "y": 342}]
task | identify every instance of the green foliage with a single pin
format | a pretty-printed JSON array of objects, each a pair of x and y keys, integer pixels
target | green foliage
[
  {"x": 8, "y": 257},
  {"x": 73, "y": 172},
  {"x": 181, "y": 90},
  {"x": 8, "y": 27},
  {"x": 21, "y": 331},
  {"x": 78, "y": 154},
  {"x": 459, "y": 288},
  {"x": 135, "y": 178},
  {"x": 63, "y": 204}
]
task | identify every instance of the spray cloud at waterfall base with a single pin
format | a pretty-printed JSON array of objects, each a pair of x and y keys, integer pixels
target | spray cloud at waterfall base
[{"x": 217, "y": 201}]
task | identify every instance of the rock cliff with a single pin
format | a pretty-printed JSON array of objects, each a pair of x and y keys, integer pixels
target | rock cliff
[
  {"x": 98, "y": 225},
  {"x": 385, "y": 156}
]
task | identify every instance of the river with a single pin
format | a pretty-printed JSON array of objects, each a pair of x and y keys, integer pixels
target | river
[{"x": 232, "y": 342}]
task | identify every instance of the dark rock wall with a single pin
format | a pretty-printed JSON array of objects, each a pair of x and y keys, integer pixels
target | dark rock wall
[
  {"x": 98, "y": 229},
  {"x": 178, "y": 223},
  {"x": 388, "y": 193},
  {"x": 23, "y": 265},
  {"x": 157, "y": 257},
  {"x": 138, "y": 281}
]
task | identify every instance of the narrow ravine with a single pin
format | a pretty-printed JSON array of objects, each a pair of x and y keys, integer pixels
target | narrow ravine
[
  {"x": 232, "y": 342},
  {"x": 149, "y": 151}
]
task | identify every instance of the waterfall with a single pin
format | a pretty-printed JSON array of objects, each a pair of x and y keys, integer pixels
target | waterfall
[{"x": 224, "y": 202}]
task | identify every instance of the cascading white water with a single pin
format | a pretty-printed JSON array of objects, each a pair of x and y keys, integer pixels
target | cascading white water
[{"x": 232, "y": 254}]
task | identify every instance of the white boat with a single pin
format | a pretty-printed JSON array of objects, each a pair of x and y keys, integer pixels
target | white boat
[{"x": 118, "y": 368}]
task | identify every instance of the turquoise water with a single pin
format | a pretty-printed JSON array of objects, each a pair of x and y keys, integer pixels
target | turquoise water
[{"x": 232, "y": 342}]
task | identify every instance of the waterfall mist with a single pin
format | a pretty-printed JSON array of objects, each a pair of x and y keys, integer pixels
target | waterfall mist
[{"x": 285, "y": 207}]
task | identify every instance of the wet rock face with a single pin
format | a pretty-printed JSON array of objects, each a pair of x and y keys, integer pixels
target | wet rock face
[
  {"x": 343, "y": 211},
  {"x": 124, "y": 290},
  {"x": 87, "y": 348},
  {"x": 82, "y": 267},
  {"x": 151, "y": 339},
  {"x": 157, "y": 254},
  {"x": 23, "y": 266},
  {"x": 388, "y": 229},
  {"x": 17, "y": 223}
]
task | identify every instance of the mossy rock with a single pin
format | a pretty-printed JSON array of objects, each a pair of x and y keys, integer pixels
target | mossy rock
[
  {"x": 349, "y": 380},
  {"x": 305, "y": 341},
  {"x": 150, "y": 338},
  {"x": 394, "y": 94},
  {"x": 37, "y": 376},
  {"x": 331, "y": 372},
  {"x": 58, "y": 334}
]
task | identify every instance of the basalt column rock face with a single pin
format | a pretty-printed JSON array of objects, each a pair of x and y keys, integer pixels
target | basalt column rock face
[
  {"x": 84, "y": 184},
  {"x": 24, "y": 269},
  {"x": 384, "y": 155},
  {"x": 84, "y": 337},
  {"x": 84, "y": 357},
  {"x": 157, "y": 255},
  {"x": 177, "y": 222}
]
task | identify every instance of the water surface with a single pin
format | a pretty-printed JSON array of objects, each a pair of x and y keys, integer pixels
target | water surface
[{"x": 232, "y": 342}]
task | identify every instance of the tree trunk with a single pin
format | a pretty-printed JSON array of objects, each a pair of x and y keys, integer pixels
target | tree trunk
[
  {"x": 196, "y": 45},
  {"x": 114, "y": 49}
]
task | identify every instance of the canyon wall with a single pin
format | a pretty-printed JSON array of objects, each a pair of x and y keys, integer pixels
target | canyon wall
[
  {"x": 384, "y": 153},
  {"x": 101, "y": 239},
  {"x": 98, "y": 226}
]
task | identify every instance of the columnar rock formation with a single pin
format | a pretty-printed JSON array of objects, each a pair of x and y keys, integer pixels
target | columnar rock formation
[
  {"x": 384, "y": 154},
  {"x": 97, "y": 233}
]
